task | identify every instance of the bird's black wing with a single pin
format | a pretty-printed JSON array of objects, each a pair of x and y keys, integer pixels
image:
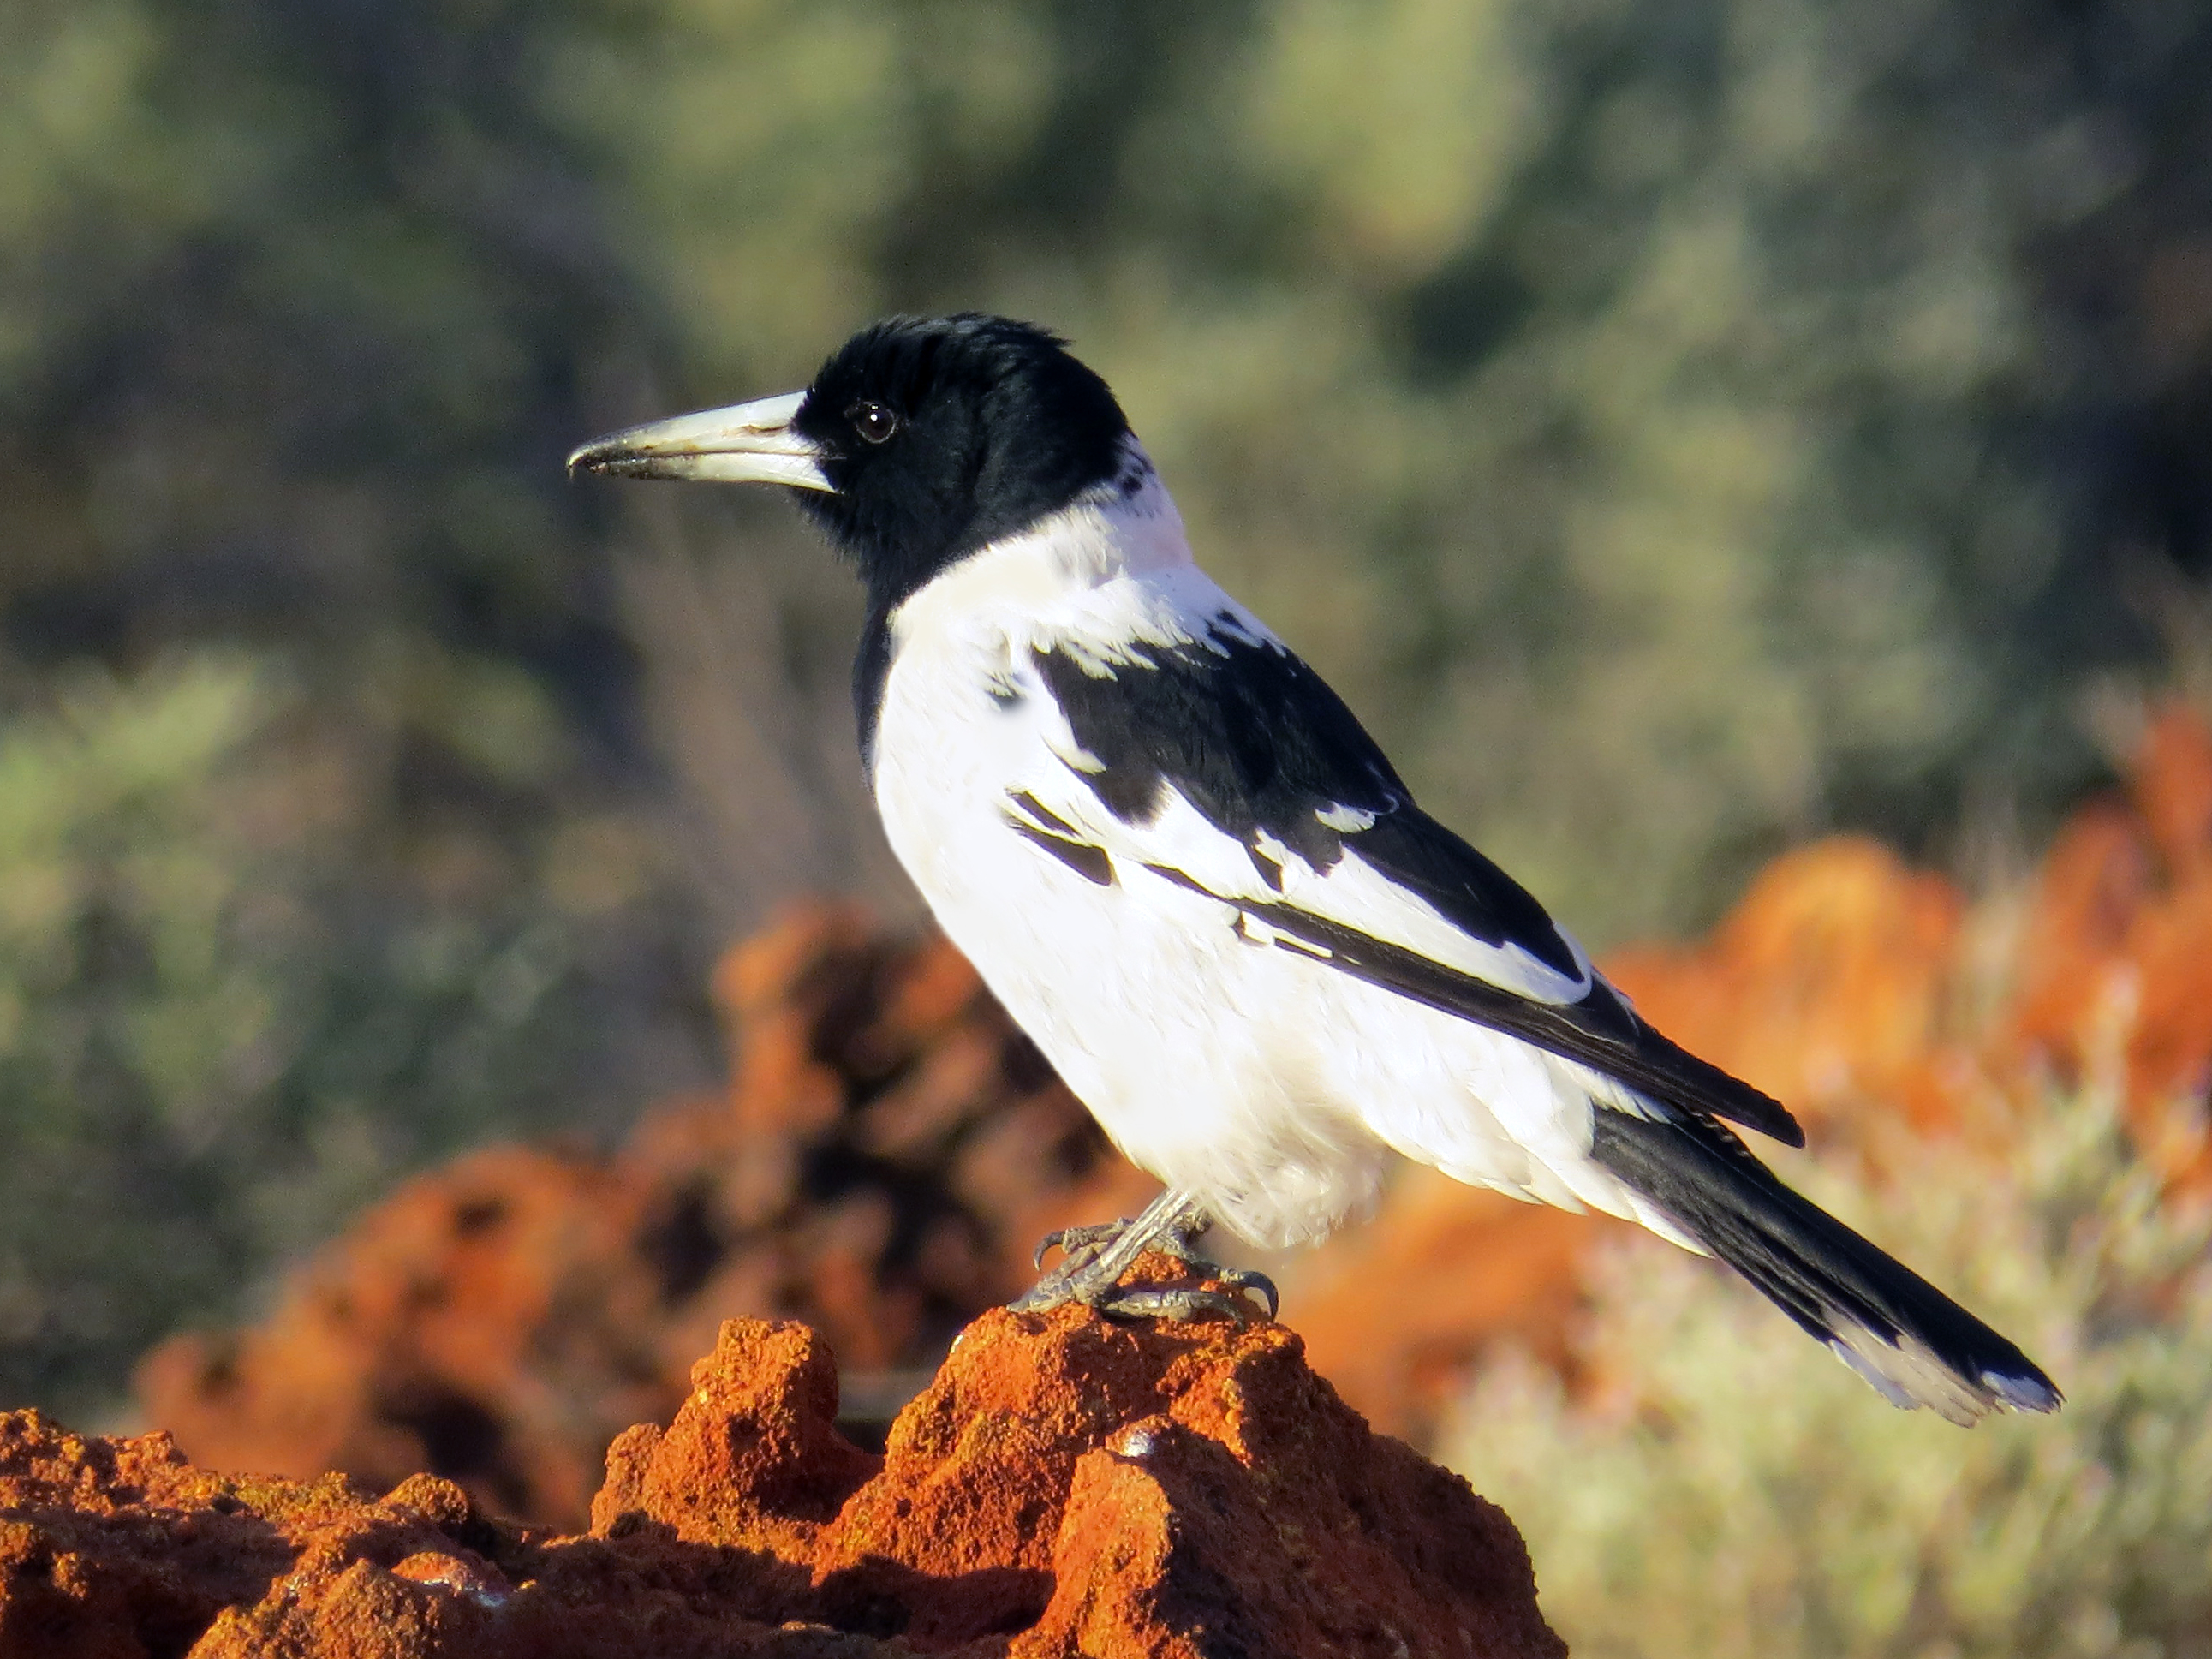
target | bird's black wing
[{"x": 1343, "y": 866}]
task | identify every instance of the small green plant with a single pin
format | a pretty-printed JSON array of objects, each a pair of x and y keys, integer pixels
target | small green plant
[{"x": 1730, "y": 1490}]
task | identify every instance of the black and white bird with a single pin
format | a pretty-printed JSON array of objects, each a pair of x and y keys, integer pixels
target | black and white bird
[{"x": 1194, "y": 880}]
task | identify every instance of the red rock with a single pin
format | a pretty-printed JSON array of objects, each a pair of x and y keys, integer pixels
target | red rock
[
  {"x": 2171, "y": 785},
  {"x": 888, "y": 1152},
  {"x": 122, "y": 1547},
  {"x": 1397, "y": 1313},
  {"x": 1065, "y": 1486},
  {"x": 2097, "y": 879},
  {"x": 1853, "y": 989},
  {"x": 1827, "y": 985},
  {"x": 1830, "y": 985},
  {"x": 494, "y": 1323},
  {"x": 753, "y": 1459},
  {"x": 2115, "y": 976},
  {"x": 1085, "y": 1487}
]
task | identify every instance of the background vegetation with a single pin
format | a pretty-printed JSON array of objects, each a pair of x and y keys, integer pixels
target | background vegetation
[
  {"x": 1734, "y": 1496},
  {"x": 1679, "y": 426}
]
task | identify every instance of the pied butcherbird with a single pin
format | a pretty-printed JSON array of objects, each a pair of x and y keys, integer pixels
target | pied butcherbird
[{"x": 1191, "y": 876}]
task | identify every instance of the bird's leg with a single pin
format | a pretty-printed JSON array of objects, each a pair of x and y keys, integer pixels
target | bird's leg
[{"x": 1098, "y": 1257}]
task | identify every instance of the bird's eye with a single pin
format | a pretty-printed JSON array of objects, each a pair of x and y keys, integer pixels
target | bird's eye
[{"x": 872, "y": 421}]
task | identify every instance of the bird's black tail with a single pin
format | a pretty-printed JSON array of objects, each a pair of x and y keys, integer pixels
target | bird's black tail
[{"x": 1913, "y": 1343}]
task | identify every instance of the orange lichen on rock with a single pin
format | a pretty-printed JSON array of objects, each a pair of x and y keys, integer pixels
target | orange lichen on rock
[
  {"x": 888, "y": 1151},
  {"x": 1065, "y": 1486}
]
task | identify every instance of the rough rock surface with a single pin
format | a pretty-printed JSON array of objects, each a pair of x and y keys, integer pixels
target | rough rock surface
[
  {"x": 1065, "y": 1486},
  {"x": 889, "y": 1151}
]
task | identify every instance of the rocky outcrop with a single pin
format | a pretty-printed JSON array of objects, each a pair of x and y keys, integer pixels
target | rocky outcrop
[
  {"x": 1064, "y": 1487},
  {"x": 1844, "y": 980},
  {"x": 888, "y": 1152}
]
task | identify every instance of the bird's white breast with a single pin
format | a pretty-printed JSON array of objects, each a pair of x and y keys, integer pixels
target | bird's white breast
[
  {"x": 1271, "y": 1086},
  {"x": 1134, "y": 990}
]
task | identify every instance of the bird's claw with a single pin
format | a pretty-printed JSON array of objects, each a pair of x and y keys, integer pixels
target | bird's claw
[
  {"x": 1155, "y": 1302},
  {"x": 1078, "y": 1278},
  {"x": 1144, "y": 1301},
  {"x": 1075, "y": 1239},
  {"x": 1175, "y": 1243},
  {"x": 1244, "y": 1281}
]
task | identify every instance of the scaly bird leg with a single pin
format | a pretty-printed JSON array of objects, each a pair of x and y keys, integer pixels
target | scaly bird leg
[{"x": 1097, "y": 1256}]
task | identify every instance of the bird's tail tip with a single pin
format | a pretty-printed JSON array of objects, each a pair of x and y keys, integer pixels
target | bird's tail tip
[
  {"x": 1909, "y": 1374},
  {"x": 1912, "y": 1342}
]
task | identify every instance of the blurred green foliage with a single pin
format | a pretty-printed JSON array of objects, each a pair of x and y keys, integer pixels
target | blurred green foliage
[
  {"x": 206, "y": 1053},
  {"x": 1735, "y": 1491},
  {"x": 1678, "y": 426}
]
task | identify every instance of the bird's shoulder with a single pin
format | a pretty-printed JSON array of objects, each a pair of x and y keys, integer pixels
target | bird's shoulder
[{"x": 1202, "y": 698}]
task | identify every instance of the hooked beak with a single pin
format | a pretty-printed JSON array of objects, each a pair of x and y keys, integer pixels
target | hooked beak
[{"x": 746, "y": 443}]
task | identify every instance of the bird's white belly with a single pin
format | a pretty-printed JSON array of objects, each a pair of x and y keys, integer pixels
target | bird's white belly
[
  {"x": 1133, "y": 991},
  {"x": 1269, "y": 1086}
]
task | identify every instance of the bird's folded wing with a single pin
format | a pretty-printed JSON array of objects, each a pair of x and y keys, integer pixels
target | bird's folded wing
[
  {"x": 1597, "y": 1028},
  {"x": 1230, "y": 768},
  {"x": 1600, "y": 1031}
]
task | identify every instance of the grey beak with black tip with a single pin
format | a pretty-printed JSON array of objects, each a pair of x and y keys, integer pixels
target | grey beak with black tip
[{"x": 746, "y": 443}]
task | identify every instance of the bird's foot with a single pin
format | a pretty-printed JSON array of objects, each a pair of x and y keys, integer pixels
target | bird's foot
[
  {"x": 1097, "y": 1256},
  {"x": 1080, "y": 1241}
]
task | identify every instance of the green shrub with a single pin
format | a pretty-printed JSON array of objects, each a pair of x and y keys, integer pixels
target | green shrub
[
  {"x": 221, "y": 1027},
  {"x": 1739, "y": 1492}
]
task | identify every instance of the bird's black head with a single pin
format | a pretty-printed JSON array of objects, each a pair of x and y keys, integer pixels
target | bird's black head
[
  {"x": 919, "y": 440},
  {"x": 940, "y": 434}
]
